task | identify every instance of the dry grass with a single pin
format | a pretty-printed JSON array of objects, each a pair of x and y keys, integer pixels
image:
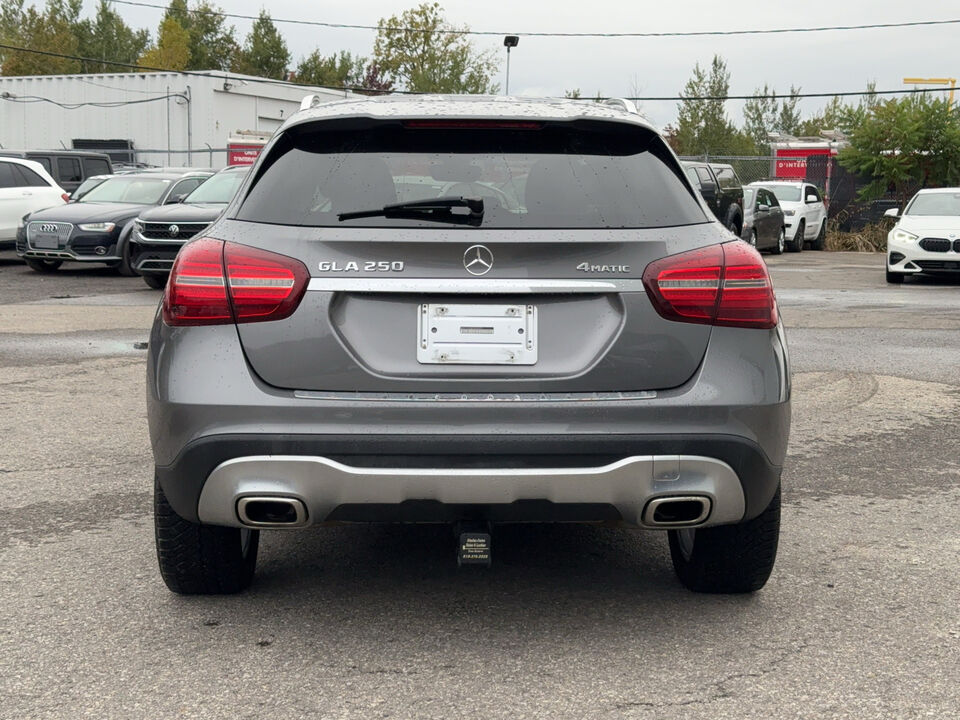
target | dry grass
[{"x": 872, "y": 238}]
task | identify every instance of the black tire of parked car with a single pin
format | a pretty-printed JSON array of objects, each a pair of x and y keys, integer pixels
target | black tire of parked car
[
  {"x": 728, "y": 558},
  {"x": 796, "y": 245},
  {"x": 895, "y": 278},
  {"x": 202, "y": 559},
  {"x": 125, "y": 266},
  {"x": 778, "y": 248},
  {"x": 43, "y": 266},
  {"x": 157, "y": 281},
  {"x": 821, "y": 239},
  {"x": 734, "y": 222}
]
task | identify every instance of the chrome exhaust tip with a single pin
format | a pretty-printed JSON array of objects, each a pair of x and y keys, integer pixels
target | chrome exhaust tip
[
  {"x": 271, "y": 511},
  {"x": 677, "y": 511}
]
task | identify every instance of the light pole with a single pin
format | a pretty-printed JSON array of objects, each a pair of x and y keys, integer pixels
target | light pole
[{"x": 510, "y": 41}]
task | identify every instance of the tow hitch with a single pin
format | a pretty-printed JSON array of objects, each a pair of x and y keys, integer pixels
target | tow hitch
[{"x": 473, "y": 543}]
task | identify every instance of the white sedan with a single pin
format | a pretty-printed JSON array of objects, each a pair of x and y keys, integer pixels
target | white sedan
[{"x": 926, "y": 239}]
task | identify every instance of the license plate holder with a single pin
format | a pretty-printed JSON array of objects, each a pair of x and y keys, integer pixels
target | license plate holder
[
  {"x": 46, "y": 241},
  {"x": 462, "y": 334}
]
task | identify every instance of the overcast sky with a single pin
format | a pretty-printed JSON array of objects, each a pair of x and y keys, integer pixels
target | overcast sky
[{"x": 817, "y": 62}]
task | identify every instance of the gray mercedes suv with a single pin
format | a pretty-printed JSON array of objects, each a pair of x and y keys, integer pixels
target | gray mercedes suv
[{"x": 468, "y": 310}]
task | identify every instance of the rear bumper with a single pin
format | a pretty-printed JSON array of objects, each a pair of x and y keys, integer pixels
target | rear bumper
[{"x": 336, "y": 475}]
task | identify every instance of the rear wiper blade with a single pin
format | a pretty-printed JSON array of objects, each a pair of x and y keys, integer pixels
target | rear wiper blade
[{"x": 436, "y": 210}]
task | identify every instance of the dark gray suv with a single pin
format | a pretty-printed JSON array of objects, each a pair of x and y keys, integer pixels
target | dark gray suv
[{"x": 467, "y": 310}]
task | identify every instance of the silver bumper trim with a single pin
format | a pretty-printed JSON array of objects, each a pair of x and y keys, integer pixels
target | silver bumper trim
[
  {"x": 507, "y": 286},
  {"x": 323, "y": 484}
]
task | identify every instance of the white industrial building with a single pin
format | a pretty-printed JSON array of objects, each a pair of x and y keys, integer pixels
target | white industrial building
[{"x": 167, "y": 118}]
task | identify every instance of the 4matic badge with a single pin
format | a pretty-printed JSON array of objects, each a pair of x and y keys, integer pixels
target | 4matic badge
[{"x": 588, "y": 267}]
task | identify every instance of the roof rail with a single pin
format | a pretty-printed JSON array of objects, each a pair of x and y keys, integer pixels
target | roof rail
[{"x": 623, "y": 104}]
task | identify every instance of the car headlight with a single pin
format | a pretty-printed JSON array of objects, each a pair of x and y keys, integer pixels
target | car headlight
[
  {"x": 789, "y": 213},
  {"x": 903, "y": 236},
  {"x": 97, "y": 227}
]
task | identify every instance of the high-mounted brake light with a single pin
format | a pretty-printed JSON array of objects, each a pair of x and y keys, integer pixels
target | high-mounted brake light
[
  {"x": 472, "y": 125},
  {"x": 724, "y": 284},
  {"x": 213, "y": 283}
]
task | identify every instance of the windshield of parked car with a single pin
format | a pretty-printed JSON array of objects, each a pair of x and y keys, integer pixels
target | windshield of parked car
[
  {"x": 220, "y": 188},
  {"x": 942, "y": 203},
  {"x": 532, "y": 175},
  {"x": 784, "y": 193},
  {"x": 126, "y": 189}
]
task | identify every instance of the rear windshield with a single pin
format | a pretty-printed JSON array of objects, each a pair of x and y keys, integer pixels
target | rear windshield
[
  {"x": 120, "y": 189},
  {"x": 551, "y": 176},
  {"x": 935, "y": 204},
  {"x": 785, "y": 193},
  {"x": 220, "y": 188}
]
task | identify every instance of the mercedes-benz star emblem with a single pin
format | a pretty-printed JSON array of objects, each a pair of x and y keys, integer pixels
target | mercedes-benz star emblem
[
  {"x": 174, "y": 230},
  {"x": 478, "y": 260}
]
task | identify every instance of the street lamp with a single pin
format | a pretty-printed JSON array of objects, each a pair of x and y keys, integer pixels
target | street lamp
[{"x": 510, "y": 41}]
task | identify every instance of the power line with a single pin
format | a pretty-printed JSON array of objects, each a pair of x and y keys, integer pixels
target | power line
[
  {"x": 307, "y": 88},
  {"x": 28, "y": 99},
  {"x": 465, "y": 31}
]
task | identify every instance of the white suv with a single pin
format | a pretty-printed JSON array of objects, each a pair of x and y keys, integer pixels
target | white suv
[
  {"x": 805, "y": 215},
  {"x": 24, "y": 187}
]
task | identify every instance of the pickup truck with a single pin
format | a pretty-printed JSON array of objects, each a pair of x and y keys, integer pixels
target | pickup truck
[{"x": 722, "y": 190}]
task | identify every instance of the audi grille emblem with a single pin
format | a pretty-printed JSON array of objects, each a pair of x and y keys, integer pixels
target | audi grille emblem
[
  {"x": 174, "y": 230},
  {"x": 478, "y": 260},
  {"x": 48, "y": 227}
]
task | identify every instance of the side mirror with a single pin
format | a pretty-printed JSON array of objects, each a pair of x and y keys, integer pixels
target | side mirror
[
  {"x": 763, "y": 208},
  {"x": 173, "y": 199},
  {"x": 812, "y": 198},
  {"x": 892, "y": 213}
]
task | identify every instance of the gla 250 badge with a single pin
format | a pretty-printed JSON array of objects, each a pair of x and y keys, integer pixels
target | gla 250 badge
[{"x": 366, "y": 266}]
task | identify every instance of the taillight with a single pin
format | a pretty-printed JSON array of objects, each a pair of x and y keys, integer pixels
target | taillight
[
  {"x": 724, "y": 284},
  {"x": 213, "y": 282}
]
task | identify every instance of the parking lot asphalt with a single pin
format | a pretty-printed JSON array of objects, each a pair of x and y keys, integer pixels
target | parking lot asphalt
[{"x": 861, "y": 618}]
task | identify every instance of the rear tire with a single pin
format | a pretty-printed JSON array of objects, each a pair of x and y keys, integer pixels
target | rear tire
[
  {"x": 157, "y": 281},
  {"x": 796, "y": 245},
  {"x": 821, "y": 240},
  {"x": 781, "y": 244},
  {"x": 43, "y": 266},
  {"x": 728, "y": 558},
  {"x": 202, "y": 559},
  {"x": 895, "y": 278}
]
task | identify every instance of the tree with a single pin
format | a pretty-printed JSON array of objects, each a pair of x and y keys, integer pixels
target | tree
[
  {"x": 422, "y": 52},
  {"x": 172, "y": 51},
  {"x": 905, "y": 144},
  {"x": 765, "y": 113},
  {"x": 702, "y": 123},
  {"x": 108, "y": 37},
  {"x": 572, "y": 94},
  {"x": 51, "y": 30},
  {"x": 213, "y": 44},
  {"x": 374, "y": 81},
  {"x": 264, "y": 52},
  {"x": 337, "y": 70}
]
